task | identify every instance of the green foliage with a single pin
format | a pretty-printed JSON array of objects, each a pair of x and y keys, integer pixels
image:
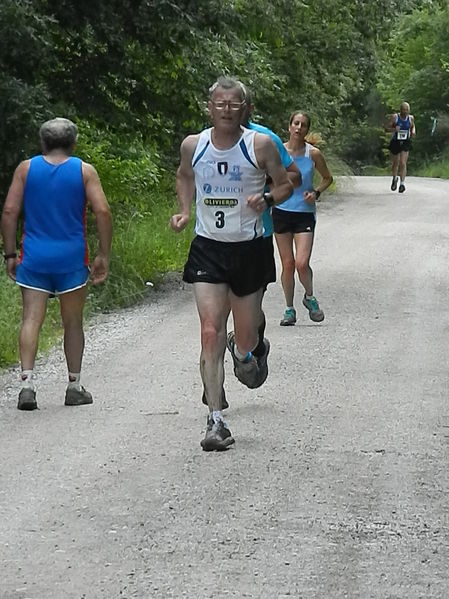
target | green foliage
[{"x": 128, "y": 168}]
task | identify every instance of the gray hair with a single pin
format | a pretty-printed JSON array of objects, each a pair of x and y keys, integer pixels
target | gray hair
[
  {"x": 58, "y": 133},
  {"x": 228, "y": 83}
]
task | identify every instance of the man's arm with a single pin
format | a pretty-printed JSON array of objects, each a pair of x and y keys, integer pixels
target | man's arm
[
  {"x": 294, "y": 174},
  {"x": 10, "y": 215},
  {"x": 185, "y": 184},
  {"x": 100, "y": 207},
  {"x": 412, "y": 126},
  {"x": 390, "y": 127},
  {"x": 269, "y": 158}
]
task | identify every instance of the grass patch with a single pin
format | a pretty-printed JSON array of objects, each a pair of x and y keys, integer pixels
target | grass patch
[
  {"x": 11, "y": 317},
  {"x": 143, "y": 250}
]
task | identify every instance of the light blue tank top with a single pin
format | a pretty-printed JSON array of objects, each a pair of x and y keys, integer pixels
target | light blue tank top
[
  {"x": 296, "y": 202},
  {"x": 286, "y": 162},
  {"x": 54, "y": 238}
]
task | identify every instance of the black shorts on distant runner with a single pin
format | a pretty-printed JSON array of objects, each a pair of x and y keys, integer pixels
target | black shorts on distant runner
[
  {"x": 287, "y": 221},
  {"x": 396, "y": 146},
  {"x": 243, "y": 265}
]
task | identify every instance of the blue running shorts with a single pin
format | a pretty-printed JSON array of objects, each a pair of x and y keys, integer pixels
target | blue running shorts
[{"x": 54, "y": 284}]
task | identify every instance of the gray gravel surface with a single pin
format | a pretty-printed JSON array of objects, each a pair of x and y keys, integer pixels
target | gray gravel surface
[{"x": 337, "y": 485}]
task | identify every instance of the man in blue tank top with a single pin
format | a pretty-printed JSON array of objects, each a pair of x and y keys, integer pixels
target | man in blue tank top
[
  {"x": 54, "y": 189},
  {"x": 402, "y": 127}
]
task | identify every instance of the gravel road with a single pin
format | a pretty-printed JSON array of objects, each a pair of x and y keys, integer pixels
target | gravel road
[{"x": 337, "y": 485}]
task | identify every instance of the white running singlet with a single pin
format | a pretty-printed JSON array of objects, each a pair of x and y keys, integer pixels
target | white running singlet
[{"x": 224, "y": 179}]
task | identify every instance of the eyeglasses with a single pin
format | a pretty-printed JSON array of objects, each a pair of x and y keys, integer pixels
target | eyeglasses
[{"x": 221, "y": 105}]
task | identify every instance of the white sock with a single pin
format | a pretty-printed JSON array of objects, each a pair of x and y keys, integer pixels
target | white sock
[
  {"x": 309, "y": 296},
  {"x": 290, "y": 308},
  {"x": 74, "y": 380},
  {"x": 27, "y": 379},
  {"x": 241, "y": 357},
  {"x": 217, "y": 415}
]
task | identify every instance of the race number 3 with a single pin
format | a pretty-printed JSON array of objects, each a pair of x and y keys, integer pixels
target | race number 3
[{"x": 220, "y": 219}]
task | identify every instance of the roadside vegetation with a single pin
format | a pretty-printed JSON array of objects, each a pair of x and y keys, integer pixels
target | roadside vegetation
[{"x": 134, "y": 77}]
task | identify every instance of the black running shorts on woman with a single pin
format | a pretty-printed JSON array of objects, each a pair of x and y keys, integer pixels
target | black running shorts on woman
[
  {"x": 287, "y": 221},
  {"x": 243, "y": 265}
]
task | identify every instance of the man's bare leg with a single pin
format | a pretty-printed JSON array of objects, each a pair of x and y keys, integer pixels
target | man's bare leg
[
  {"x": 34, "y": 307},
  {"x": 72, "y": 306},
  {"x": 212, "y": 302}
]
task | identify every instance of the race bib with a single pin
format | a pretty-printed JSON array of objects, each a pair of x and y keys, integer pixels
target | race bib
[
  {"x": 221, "y": 216},
  {"x": 403, "y": 134}
]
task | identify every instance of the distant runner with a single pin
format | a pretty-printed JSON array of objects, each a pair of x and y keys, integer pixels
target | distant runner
[{"x": 402, "y": 125}]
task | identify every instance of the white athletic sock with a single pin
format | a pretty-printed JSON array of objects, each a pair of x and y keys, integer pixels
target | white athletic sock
[
  {"x": 241, "y": 357},
  {"x": 290, "y": 308},
  {"x": 309, "y": 296},
  {"x": 74, "y": 380},
  {"x": 402, "y": 179},
  {"x": 217, "y": 415},
  {"x": 27, "y": 379}
]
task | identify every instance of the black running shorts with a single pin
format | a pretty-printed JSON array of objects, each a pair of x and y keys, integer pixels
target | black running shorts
[
  {"x": 286, "y": 221},
  {"x": 396, "y": 146},
  {"x": 246, "y": 266}
]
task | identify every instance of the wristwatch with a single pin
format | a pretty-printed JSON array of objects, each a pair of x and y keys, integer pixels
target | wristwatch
[
  {"x": 268, "y": 199},
  {"x": 8, "y": 256},
  {"x": 317, "y": 193}
]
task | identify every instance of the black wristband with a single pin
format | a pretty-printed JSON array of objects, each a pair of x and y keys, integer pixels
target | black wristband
[
  {"x": 8, "y": 256},
  {"x": 317, "y": 193},
  {"x": 268, "y": 199}
]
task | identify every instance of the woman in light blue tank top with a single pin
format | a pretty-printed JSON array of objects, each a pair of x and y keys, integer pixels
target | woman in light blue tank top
[{"x": 294, "y": 220}]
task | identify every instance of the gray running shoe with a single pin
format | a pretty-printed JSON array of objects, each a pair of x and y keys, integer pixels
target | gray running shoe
[
  {"x": 27, "y": 400},
  {"x": 246, "y": 372},
  {"x": 224, "y": 403},
  {"x": 77, "y": 397},
  {"x": 218, "y": 437},
  {"x": 253, "y": 373},
  {"x": 394, "y": 184},
  {"x": 289, "y": 318},
  {"x": 401, "y": 188},
  {"x": 262, "y": 363},
  {"x": 315, "y": 312}
]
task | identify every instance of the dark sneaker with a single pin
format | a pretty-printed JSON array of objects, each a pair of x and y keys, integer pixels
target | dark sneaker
[
  {"x": 289, "y": 318},
  {"x": 27, "y": 400},
  {"x": 315, "y": 312},
  {"x": 401, "y": 188},
  {"x": 224, "y": 403},
  {"x": 77, "y": 397},
  {"x": 263, "y": 364},
  {"x": 246, "y": 372},
  {"x": 218, "y": 437},
  {"x": 394, "y": 184}
]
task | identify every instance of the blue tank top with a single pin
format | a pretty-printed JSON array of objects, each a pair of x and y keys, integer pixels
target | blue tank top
[
  {"x": 296, "y": 202},
  {"x": 54, "y": 237},
  {"x": 404, "y": 128}
]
